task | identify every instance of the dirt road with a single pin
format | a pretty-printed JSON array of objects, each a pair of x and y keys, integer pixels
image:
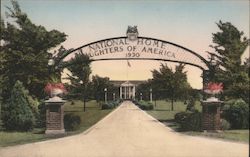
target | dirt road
[{"x": 129, "y": 132}]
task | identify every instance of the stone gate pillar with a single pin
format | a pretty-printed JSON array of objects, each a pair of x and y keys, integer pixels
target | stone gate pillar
[
  {"x": 54, "y": 116},
  {"x": 211, "y": 115}
]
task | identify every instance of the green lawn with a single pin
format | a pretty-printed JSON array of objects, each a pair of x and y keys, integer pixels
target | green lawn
[
  {"x": 234, "y": 135},
  {"x": 13, "y": 138},
  {"x": 92, "y": 115},
  {"x": 162, "y": 109},
  {"x": 163, "y": 113}
]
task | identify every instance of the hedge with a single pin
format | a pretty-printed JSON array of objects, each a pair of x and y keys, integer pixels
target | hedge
[
  {"x": 71, "y": 122},
  {"x": 189, "y": 121},
  {"x": 111, "y": 104},
  {"x": 236, "y": 112},
  {"x": 144, "y": 105}
]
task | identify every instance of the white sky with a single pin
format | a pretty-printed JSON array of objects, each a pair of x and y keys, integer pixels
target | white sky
[{"x": 189, "y": 23}]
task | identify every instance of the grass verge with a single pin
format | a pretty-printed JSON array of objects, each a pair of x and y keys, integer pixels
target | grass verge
[
  {"x": 162, "y": 112},
  {"x": 92, "y": 115},
  {"x": 232, "y": 135}
]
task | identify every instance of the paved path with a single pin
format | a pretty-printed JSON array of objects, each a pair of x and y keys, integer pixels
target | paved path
[{"x": 128, "y": 132}]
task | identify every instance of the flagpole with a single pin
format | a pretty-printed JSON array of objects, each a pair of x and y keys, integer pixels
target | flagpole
[
  {"x": 127, "y": 74},
  {"x": 128, "y": 65},
  {"x": 127, "y": 70}
]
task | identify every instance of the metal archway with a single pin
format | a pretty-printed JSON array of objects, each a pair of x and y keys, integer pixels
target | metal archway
[
  {"x": 134, "y": 47},
  {"x": 144, "y": 48}
]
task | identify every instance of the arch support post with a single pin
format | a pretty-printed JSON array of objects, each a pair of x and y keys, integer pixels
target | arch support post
[
  {"x": 211, "y": 106},
  {"x": 54, "y": 116},
  {"x": 211, "y": 115}
]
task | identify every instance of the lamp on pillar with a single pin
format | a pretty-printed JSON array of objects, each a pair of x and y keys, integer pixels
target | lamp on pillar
[
  {"x": 51, "y": 62},
  {"x": 120, "y": 92},
  {"x": 105, "y": 95},
  {"x": 141, "y": 96},
  {"x": 54, "y": 106},
  {"x": 213, "y": 62},
  {"x": 212, "y": 67},
  {"x": 151, "y": 95},
  {"x": 113, "y": 96}
]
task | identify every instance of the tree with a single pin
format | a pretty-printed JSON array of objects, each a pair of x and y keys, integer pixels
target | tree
[
  {"x": 144, "y": 88},
  {"x": 1, "y": 99},
  {"x": 24, "y": 52},
  {"x": 17, "y": 113},
  {"x": 171, "y": 84},
  {"x": 99, "y": 84},
  {"x": 229, "y": 45},
  {"x": 79, "y": 78}
]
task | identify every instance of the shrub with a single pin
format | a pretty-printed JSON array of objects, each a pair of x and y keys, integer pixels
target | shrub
[
  {"x": 189, "y": 121},
  {"x": 144, "y": 105},
  {"x": 41, "y": 119},
  {"x": 34, "y": 104},
  {"x": 119, "y": 101},
  {"x": 17, "y": 114},
  {"x": 225, "y": 125},
  {"x": 110, "y": 105},
  {"x": 191, "y": 105},
  {"x": 194, "y": 121},
  {"x": 71, "y": 122},
  {"x": 180, "y": 116},
  {"x": 149, "y": 106},
  {"x": 107, "y": 106},
  {"x": 114, "y": 103},
  {"x": 135, "y": 102},
  {"x": 1, "y": 123},
  {"x": 236, "y": 112}
]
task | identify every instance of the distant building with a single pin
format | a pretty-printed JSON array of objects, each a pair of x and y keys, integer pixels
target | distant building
[{"x": 127, "y": 89}]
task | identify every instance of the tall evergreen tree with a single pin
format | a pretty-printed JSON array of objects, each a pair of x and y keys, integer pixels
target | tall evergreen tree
[
  {"x": 17, "y": 113},
  {"x": 229, "y": 45},
  {"x": 24, "y": 52}
]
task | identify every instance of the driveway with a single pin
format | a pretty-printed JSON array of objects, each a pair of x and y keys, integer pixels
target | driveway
[{"x": 129, "y": 132}]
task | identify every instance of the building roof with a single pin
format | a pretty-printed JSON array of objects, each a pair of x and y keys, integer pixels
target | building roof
[
  {"x": 118, "y": 83},
  {"x": 127, "y": 83}
]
